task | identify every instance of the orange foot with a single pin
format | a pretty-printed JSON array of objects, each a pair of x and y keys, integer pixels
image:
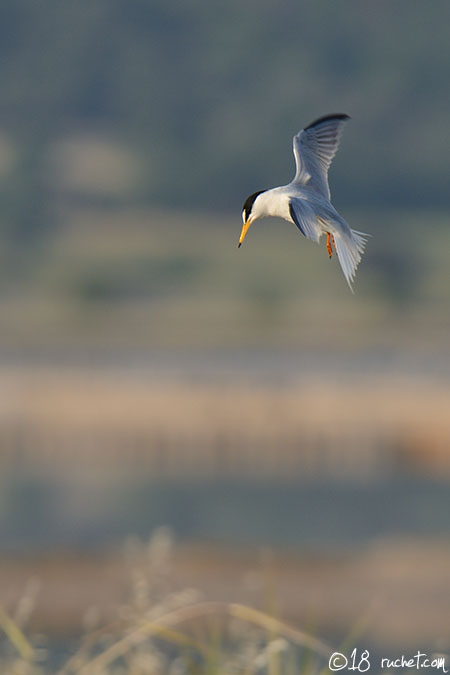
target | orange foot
[{"x": 330, "y": 239}]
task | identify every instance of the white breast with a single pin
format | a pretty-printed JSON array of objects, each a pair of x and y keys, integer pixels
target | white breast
[{"x": 274, "y": 202}]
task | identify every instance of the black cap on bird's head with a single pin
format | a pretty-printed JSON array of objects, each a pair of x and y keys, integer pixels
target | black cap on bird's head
[{"x": 246, "y": 214}]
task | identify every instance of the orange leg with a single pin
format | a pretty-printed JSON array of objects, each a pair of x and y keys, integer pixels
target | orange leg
[
  {"x": 329, "y": 247},
  {"x": 330, "y": 238}
]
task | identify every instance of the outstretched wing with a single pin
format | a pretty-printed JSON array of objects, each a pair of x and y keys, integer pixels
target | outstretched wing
[{"x": 314, "y": 149}]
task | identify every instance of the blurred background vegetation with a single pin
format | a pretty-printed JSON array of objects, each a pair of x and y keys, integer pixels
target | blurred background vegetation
[
  {"x": 152, "y": 374},
  {"x": 130, "y": 134},
  {"x": 196, "y": 104}
]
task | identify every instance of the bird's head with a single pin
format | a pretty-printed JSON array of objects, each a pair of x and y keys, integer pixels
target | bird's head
[{"x": 249, "y": 214}]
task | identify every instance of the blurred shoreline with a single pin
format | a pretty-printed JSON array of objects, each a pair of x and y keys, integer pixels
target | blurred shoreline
[{"x": 249, "y": 416}]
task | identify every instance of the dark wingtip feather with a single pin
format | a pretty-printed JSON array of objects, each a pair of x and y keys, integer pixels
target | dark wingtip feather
[{"x": 325, "y": 118}]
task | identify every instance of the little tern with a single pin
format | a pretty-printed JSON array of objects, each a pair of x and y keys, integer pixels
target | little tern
[{"x": 305, "y": 201}]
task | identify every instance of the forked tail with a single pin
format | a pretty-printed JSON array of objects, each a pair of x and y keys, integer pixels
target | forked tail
[{"x": 350, "y": 248}]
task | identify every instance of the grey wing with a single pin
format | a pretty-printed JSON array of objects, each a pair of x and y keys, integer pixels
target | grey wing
[
  {"x": 305, "y": 218},
  {"x": 314, "y": 149}
]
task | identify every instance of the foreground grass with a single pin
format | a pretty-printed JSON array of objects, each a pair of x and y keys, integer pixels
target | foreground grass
[{"x": 164, "y": 632}]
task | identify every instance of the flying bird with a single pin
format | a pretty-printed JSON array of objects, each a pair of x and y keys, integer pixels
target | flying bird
[{"x": 305, "y": 201}]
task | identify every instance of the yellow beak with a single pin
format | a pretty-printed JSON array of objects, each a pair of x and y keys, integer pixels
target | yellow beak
[{"x": 245, "y": 229}]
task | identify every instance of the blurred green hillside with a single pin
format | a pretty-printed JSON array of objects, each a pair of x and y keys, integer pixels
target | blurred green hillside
[
  {"x": 134, "y": 279},
  {"x": 131, "y": 131},
  {"x": 194, "y": 104}
]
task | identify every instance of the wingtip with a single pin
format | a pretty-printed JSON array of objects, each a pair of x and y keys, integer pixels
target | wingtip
[{"x": 325, "y": 118}]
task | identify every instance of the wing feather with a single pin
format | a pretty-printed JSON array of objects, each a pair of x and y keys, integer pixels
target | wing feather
[
  {"x": 305, "y": 218},
  {"x": 314, "y": 149}
]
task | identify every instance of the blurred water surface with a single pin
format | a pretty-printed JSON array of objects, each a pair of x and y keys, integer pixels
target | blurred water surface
[{"x": 324, "y": 517}]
